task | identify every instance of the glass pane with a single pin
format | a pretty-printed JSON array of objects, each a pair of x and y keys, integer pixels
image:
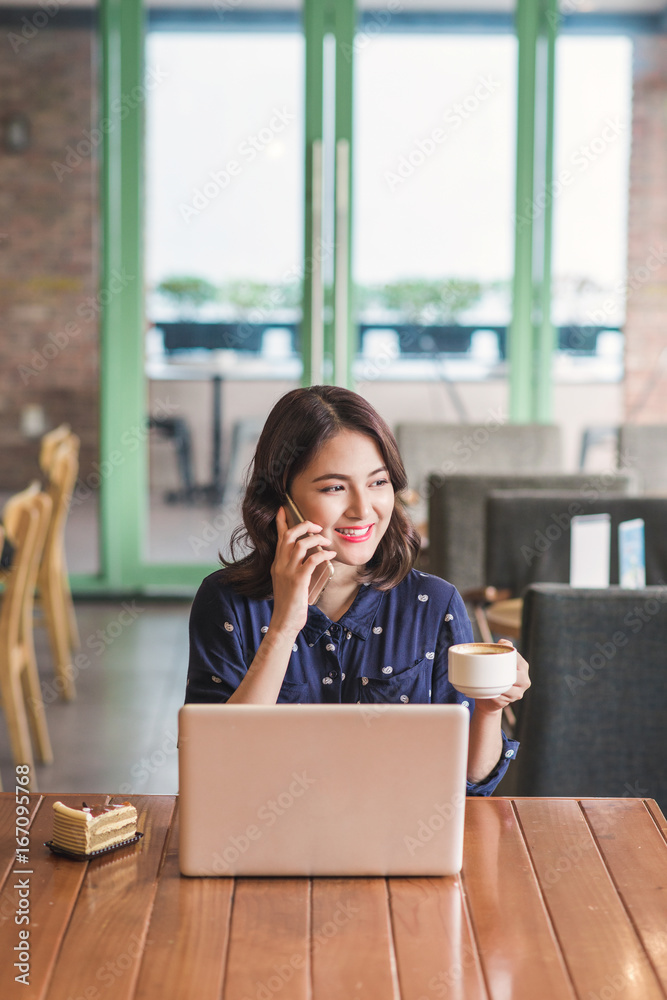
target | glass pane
[
  {"x": 224, "y": 242},
  {"x": 49, "y": 253},
  {"x": 590, "y": 195},
  {"x": 434, "y": 194},
  {"x": 590, "y": 208}
]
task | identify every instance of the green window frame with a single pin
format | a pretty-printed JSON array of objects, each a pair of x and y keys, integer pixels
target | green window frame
[{"x": 123, "y": 394}]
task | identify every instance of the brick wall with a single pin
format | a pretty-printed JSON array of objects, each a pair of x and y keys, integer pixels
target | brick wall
[
  {"x": 646, "y": 322},
  {"x": 48, "y": 248}
]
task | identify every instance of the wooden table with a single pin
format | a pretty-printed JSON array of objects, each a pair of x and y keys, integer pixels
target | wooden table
[{"x": 558, "y": 898}]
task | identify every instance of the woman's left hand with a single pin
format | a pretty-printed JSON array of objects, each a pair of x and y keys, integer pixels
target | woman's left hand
[{"x": 515, "y": 693}]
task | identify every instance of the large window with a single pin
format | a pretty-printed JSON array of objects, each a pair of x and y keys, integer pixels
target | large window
[
  {"x": 435, "y": 144},
  {"x": 224, "y": 224},
  {"x": 590, "y": 202}
]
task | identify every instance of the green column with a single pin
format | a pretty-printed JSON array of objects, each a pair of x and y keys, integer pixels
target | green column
[
  {"x": 531, "y": 334},
  {"x": 336, "y": 338},
  {"x": 123, "y": 404},
  {"x": 345, "y": 345},
  {"x": 313, "y": 26}
]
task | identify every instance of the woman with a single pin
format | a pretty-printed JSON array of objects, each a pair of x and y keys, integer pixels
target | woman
[{"x": 380, "y": 630}]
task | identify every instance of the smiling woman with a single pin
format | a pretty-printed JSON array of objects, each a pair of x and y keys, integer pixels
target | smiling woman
[
  {"x": 380, "y": 630},
  {"x": 319, "y": 444}
]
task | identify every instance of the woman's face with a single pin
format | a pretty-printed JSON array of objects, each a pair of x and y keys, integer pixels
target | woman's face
[{"x": 346, "y": 489}]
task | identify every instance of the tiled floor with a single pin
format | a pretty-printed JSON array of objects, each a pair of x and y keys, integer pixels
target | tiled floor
[{"x": 119, "y": 735}]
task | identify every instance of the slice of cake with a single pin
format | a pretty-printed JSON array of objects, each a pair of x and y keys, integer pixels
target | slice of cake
[{"x": 92, "y": 828}]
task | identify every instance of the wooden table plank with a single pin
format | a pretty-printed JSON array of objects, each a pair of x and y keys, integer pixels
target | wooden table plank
[
  {"x": 557, "y": 900},
  {"x": 105, "y": 937},
  {"x": 593, "y": 928},
  {"x": 186, "y": 944},
  {"x": 635, "y": 854},
  {"x": 54, "y": 884},
  {"x": 520, "y": 956},
  {"x": 351, "y": 940},
  {"x": 268, "y": 944},
  {"x": 435, "y": 950}
]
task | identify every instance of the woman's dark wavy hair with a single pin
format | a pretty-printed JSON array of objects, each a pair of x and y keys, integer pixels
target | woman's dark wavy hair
[{"x": 296, "y": 428}]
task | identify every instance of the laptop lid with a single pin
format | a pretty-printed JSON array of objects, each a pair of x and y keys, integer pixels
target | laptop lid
[{"x": 322, "y": 789}]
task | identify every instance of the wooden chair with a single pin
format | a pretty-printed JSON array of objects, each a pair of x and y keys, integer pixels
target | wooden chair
[
  {"x": 50, "y": 442},
  {"x": 26, "y": 518},
  {"x": 55, "y": 598}
]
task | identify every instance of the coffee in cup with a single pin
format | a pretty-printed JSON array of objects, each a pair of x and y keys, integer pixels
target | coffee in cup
[{"x": 482, "y": 669}]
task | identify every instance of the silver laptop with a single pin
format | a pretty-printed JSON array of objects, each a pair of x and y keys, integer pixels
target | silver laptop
[{"x": 341, "y": 790}]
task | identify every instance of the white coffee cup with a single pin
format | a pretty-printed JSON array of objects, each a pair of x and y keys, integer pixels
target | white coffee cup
[{"x": 482, "y": 669}]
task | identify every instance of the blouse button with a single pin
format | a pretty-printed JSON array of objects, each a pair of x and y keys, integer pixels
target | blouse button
[
  {"x": 331, "y": 647},
  {"x": 465, "y": 704},
  {"x": 387, "y": 670},
  {"x": 405, "y": 699},
  {"x": 335, "y": 628},
  {"x": 349, "y": 635},
  {"x": 327, "y": 680},
  {"x": 364, "y": 680},
  {"x": 216, "y": 680},
  {"x": 333, "y": 673},
  {"x": 342, "y": 677},
  {"x": 509, "y": 753}
]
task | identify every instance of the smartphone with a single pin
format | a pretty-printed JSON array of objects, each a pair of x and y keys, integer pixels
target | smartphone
[{"x": 322, "y": 574}]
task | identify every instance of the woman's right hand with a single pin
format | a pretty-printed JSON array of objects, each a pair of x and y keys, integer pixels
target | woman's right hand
[{"x": 291, "y": 575}]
